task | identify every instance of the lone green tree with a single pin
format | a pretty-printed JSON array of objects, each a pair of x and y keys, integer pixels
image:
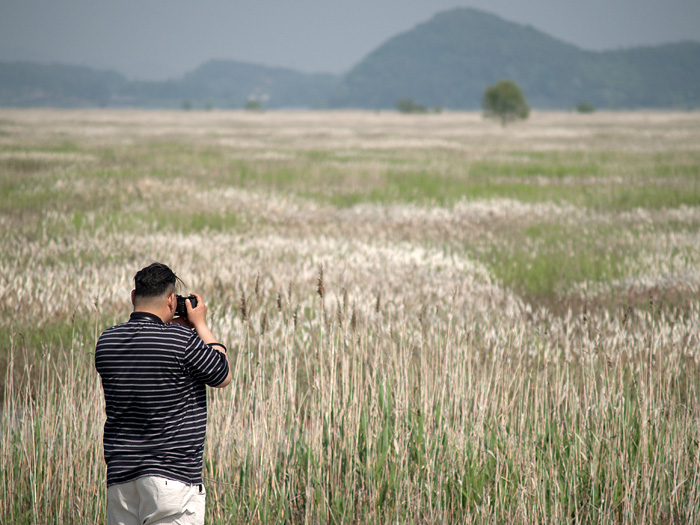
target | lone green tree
[{"x": 505, "y": 101}]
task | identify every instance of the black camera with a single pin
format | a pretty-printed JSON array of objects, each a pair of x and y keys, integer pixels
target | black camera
[{"x": 181, "y": 309}]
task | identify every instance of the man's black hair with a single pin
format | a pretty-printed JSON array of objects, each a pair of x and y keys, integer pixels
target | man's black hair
[{"x": 155, "y": 280}]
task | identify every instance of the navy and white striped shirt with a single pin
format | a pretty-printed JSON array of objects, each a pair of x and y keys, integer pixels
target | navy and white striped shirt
[{"x": 154, "y": 376}]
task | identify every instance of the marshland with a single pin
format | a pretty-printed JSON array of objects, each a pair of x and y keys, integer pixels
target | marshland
[{"x": 430, "y": 318}]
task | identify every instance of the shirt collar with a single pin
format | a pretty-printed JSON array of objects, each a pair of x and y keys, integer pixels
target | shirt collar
[{"x": 145, "y": 316}]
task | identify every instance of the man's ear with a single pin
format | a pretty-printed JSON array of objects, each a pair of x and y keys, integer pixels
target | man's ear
[
  {"x": 172, "y": 302},
  {"x": 133, "y": 294}
]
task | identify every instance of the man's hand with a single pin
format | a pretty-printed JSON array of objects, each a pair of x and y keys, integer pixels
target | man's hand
[{"x": 197, "y": 317}]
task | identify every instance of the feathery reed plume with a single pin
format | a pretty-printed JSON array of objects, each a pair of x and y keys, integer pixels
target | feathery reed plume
[
  {"x": 295, "y": 316},
  {"x": 289, "y": 292},
  {"x": 422, "y": 320},
  {"x": 378, "y": 304},
  {"x": 257, "y": 285},
  {"x": 628, "y": 311},
  {"x": 320, "y": 288},
  {"x": 244, "y": 306},
  {"x": 345, "y": 299},
  {"x": 263, "y": 324},
  {"x": 339, "y": 314},
  {"x": 353, "y": 319},
  {"x": 279, "y": 301},
  {"x": 326, "y": 319}
]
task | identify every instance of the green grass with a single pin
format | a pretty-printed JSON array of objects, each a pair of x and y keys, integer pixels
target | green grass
[
  {"x": 187, "y": 221},
  {"x": 589, "y": 179},
  {"x": 590, "y": 182},
  {"x": 545, "y": 260}
]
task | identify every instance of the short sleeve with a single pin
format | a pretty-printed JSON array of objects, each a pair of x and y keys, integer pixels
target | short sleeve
[{"x": 204, "y": 363}]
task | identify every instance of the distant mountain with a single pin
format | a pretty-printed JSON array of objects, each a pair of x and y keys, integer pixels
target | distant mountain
[
  {"x": 447, "y": 61},
  {"x": 25, "y": 84},
  {"x": 218, "y": 83},
  {"x": 660, "y": 76},
  {"x": 231, "y": 84},
  {"x": 451, "y": 59}
]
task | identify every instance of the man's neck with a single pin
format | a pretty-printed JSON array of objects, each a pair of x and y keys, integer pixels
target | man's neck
[
  {"x": 145, "y": 316},
  {"x": 162, "y": 313}
]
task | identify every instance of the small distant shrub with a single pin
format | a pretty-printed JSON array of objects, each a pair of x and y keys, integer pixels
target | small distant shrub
[
  {"x": 186, "y": 105},
  {"x": 253, "y": 105},
  {"x": 585, "y": 107},
  {"x": 406, "y": 105}
]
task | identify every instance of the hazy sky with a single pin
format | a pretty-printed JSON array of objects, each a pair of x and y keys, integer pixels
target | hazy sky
[{"x": 156, "y": 39}]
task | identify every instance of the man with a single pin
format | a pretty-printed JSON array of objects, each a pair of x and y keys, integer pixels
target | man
[{"x": 154, "y": 369}]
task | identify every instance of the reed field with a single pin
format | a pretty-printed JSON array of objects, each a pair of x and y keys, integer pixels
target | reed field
[{"x": 430, "y": 318}]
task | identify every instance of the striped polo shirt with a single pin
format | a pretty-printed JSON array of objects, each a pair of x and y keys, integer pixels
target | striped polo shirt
[{"x": 154, "y": 376}]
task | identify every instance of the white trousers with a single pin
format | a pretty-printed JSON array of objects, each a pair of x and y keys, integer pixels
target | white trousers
[{"x": 153, "y": 500}]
